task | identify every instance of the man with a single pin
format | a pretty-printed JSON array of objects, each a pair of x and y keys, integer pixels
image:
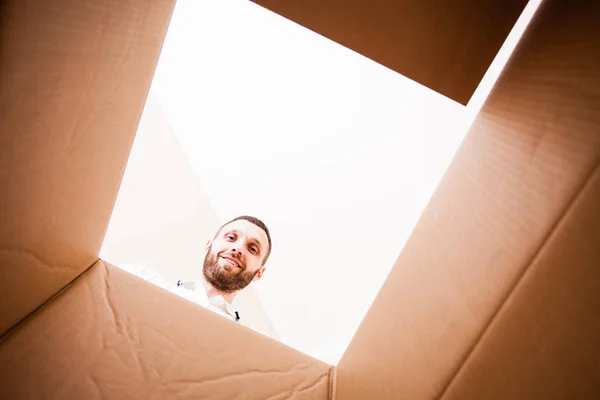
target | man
[{"x": 235, "y": 257}]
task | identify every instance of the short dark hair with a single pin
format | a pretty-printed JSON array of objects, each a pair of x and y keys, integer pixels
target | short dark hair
[{"x": 256, "y": 222}]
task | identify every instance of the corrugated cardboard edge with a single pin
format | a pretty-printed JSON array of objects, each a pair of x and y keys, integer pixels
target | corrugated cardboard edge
[{"x": 146, "y": 96}]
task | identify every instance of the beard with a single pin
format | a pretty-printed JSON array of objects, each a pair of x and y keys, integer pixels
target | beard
[{"x": 220, "y": 279}]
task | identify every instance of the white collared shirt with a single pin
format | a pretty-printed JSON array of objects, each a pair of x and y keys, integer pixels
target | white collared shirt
[
  {"x": 215, "y": 303},
  {"x": 190, "y": 290}
]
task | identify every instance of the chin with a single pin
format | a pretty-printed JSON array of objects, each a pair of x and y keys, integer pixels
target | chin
[
  {"x": 225, "y": 268},
  {"x": 229, "y": 269}
]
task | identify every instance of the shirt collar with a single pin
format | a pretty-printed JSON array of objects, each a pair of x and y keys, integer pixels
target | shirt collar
[
  {"x": 220, "y": 302},
  {"x": 215, "y": 301}
]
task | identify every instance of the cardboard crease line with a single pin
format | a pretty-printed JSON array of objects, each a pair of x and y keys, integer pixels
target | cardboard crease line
[
  {"x": 97, "y": 386},
  {"x": 106, "y": 296},
  {"x": 244, "y": 374},
  {"x": 296, "y": 389},
  {"x": 35, "y": 256},
  {"x": 17, "y": 325},
  {"x": 563, "y": 216}
]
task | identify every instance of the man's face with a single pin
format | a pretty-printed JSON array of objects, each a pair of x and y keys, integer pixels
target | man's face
[{"x": 234, "y": 257}]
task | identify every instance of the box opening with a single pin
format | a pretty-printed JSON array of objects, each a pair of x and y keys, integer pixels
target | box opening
[{"x": 250, "y": 113}]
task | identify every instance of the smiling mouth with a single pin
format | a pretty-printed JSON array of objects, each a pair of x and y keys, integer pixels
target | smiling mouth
[{"x": 231, "y": 262}]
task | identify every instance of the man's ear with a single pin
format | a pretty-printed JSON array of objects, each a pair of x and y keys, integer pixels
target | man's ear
[
  {"x": 259, "y": 274},
  {"x": 208, "y": 243}
]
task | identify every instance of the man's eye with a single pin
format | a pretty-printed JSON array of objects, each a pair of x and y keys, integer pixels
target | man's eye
[
  {"x": 254, "y": 250},
  {"x": 230, "y": 237}
]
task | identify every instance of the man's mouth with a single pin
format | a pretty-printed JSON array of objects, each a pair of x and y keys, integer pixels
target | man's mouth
[{"x": 232, "y": 262}]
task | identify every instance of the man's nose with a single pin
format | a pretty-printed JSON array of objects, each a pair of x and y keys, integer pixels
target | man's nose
[{"x": 237, "y": 251}]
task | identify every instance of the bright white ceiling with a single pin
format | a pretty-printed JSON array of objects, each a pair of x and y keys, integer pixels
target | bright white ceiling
[{"x": 336, "y": 153}]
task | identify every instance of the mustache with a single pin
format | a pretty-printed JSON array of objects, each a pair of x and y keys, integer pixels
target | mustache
[
  {"x": 234, "y": 256},
  {"x": 231, "y": 255}
]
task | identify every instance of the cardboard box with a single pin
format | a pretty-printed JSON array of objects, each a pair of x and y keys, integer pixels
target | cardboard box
[{"x": 494, "y": 296}]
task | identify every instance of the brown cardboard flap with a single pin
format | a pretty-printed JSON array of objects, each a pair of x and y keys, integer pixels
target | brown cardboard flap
[
  {"x": 112, "y": 335},
  {"x": 444, "y": 45},
  {"x": 545, "y": 341},
  {"x": 523, "y": 169},
  {"x": 74, "y": 76}
]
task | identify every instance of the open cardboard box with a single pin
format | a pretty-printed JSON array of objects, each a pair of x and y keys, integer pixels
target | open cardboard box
[{"x": 495, "y": 295}]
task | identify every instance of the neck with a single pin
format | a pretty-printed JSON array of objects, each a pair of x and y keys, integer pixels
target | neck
[{"x": 211, "y": 291}]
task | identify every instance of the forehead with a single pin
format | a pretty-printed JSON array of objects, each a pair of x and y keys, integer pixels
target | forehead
[{"x": 247, "y": 229}]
